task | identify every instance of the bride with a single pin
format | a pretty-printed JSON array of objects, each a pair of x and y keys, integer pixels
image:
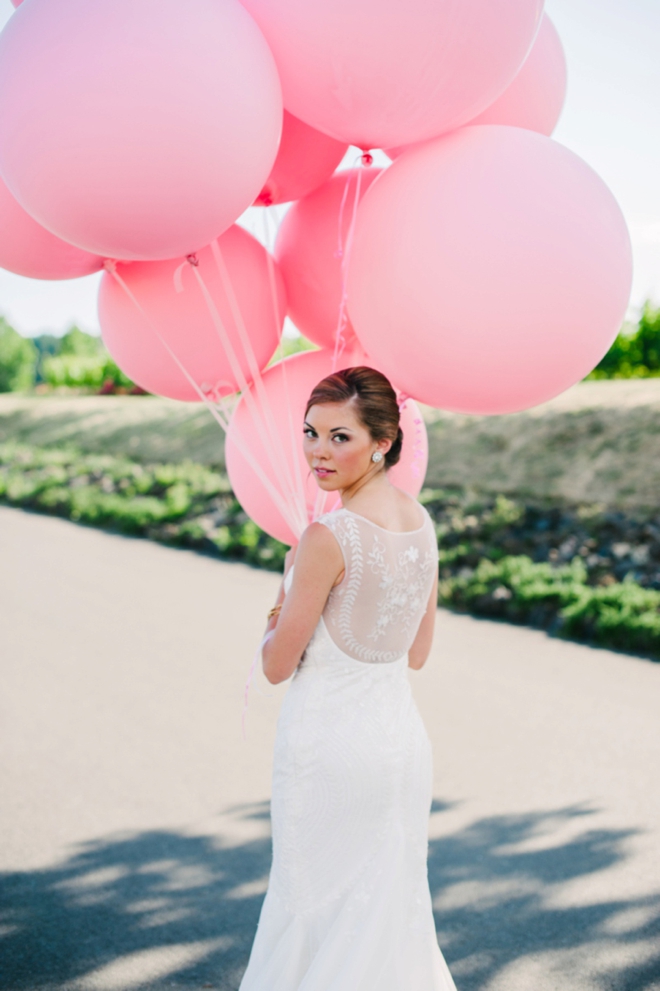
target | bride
[{"x": 348, "y": 906}]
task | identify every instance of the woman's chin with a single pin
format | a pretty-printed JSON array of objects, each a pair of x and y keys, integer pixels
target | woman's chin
[{"x": 329, "y": 483}]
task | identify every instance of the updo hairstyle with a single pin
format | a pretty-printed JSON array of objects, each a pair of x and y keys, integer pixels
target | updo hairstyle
[{"x": 374, "y": 400}]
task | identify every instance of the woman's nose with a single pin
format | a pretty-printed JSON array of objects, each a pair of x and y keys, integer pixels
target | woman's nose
[{"x": 320, "y": 449}]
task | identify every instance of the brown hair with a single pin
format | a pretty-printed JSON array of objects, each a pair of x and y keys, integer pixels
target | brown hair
[{"x": 375, "y": 402}]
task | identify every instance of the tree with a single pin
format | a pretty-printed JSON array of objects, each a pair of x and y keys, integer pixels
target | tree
[
  {"x": 18, "y": 359},
  {"x": 47, "y": 345},
  {"x": 83, "y": 345}
]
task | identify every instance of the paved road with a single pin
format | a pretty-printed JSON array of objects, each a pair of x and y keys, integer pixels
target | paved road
[{"x": 134, "y": 817}]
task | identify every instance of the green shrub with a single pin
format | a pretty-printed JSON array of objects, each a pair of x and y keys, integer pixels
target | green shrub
[
  {"x": 74, "y": 370},
  {"x": 92, "y": 371},
  {"x": 79, "y": 361},
  {"x": 192, "y": 506},
  {"x": 18, "y": 360},
  {"x": 621, "y": 614},
  {"x": 636, "y": 350},
  {"x": 184, "y": 504}
]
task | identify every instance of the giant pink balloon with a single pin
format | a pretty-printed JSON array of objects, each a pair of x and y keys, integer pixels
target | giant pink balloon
[
  {"x": 308, "y": 250},
  {"x": 536, "y": 96},
  {"x": 251, "y": 299},
  {"x": 274, "y": 442},
  {"x": 27, "y": 248},
  {"x": 378, "y": 73},
  {"x": 132, "y": 130},
  {"x": 306, "y": 158},
  {"x": 491, "y": 270}
]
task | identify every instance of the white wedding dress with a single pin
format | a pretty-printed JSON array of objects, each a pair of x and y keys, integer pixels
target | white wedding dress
[{"x": 348, "y": 906}]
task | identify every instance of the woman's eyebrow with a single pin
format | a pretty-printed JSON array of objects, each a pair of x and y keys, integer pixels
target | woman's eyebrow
[{"x": 332, "y": 429}]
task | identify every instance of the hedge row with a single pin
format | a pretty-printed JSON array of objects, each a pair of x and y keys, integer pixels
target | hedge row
[
  {"x": 183, "y": 504},
  {"x": 580, "y": 572}
]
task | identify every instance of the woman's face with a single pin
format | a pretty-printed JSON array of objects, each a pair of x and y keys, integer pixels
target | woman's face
[{"x": 338, "y": 447}]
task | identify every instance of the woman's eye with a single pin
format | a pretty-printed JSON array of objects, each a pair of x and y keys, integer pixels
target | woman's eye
[
  {"x": 340, "y": 437},
  {"x": 308, "y": 432}
]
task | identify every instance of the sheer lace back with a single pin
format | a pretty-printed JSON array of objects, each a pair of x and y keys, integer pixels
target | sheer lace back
[{"x": 374, "y": 613}]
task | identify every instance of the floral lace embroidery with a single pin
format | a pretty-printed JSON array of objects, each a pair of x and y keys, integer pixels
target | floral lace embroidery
[{"x": 405, "y": 588}]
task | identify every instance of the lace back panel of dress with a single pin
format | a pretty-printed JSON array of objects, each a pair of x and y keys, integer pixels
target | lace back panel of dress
[{"x": 373, "y": 615}]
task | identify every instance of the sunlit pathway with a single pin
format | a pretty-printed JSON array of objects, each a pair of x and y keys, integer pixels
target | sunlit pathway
[{"x": 134, "y": 839}]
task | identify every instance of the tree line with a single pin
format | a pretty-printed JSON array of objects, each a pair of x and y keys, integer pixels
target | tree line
[{"x": 79, "y": 360}]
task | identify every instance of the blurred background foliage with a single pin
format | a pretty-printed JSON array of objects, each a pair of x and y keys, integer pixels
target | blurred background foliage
[
  {"x": 78, "y": 361},
  {"x": 636, "y": 350},
  {"x": 18, "y": 360}
]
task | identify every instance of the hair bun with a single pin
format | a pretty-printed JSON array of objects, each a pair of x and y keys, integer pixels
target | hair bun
[{"x": 394, "y": 453}]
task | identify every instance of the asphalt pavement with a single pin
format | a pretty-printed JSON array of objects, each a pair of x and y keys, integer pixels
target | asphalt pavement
[{"x": 134, "y": 828}]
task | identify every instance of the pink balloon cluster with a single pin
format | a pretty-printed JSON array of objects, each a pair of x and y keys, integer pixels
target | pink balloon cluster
[{"x": 485, "y": 271}]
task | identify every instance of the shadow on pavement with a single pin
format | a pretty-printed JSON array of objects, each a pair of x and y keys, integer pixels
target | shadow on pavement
[
  {"x": 131, "y": 896},
  {"x": 496, "y": 904}
]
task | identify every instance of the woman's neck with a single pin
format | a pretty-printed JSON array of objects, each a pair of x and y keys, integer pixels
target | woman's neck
[{"x": 373, "y": 484}]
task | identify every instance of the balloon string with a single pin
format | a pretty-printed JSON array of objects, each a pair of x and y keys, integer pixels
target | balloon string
[
  {"x": 294, "y": 437},
  {"x": 301, "y": 483},
  {"x": 221, "y": 417},
  {"x": 275, "y": 438},
  {"x": 275, "y": 451},
  {"x": 344, "y": 252},
  {"x": 239, "y": 376},
  {"x": 288, "y": 507},
  {"x": 110, "y": 266},
  {"x": 237, "y": 370}
]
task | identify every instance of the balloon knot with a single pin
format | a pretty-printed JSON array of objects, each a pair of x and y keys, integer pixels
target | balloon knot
[
  {"x": 367, "y": 159},
  {"x": 192, "y": 260},
  {"x": 110, "y": 265}
]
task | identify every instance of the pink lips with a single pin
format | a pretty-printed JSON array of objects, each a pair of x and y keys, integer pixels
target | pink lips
[{"x": 323, "y": 472}]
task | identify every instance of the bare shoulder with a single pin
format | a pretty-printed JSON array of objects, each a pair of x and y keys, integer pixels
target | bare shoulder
[{"x": 319, "y": 550}]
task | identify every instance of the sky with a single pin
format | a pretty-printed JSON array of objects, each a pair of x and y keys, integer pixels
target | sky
[{"x": 611, "y": 118}]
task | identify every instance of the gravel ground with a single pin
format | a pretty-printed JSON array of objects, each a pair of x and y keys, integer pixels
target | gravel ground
[{"x": 134, "y": 817}]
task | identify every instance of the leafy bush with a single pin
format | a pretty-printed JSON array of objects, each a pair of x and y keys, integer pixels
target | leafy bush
[
  {"x": 18, "y": 360},
  {"x": 97, "y": 372},
  {"x": 577, "y": 572},
  {"x": 81, "y": 362},
  {"x": 636, "y": 350},
  {"x": 621, "y": 614},
  {"x": 184, "y": 504}
]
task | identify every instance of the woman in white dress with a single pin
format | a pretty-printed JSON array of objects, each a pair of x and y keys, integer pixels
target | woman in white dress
[{"x": 348, "y": 906}]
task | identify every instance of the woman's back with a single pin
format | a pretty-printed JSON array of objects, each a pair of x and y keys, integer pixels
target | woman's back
[{"x": 374, "y": 613}]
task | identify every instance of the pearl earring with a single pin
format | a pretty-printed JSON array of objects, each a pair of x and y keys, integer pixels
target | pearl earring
[{"x": 377, "y": 456}]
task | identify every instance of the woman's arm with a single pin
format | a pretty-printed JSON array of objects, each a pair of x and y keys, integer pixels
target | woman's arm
[
  {"x": 421, "y": 646},
  {"x": 319, "y": 563}
]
